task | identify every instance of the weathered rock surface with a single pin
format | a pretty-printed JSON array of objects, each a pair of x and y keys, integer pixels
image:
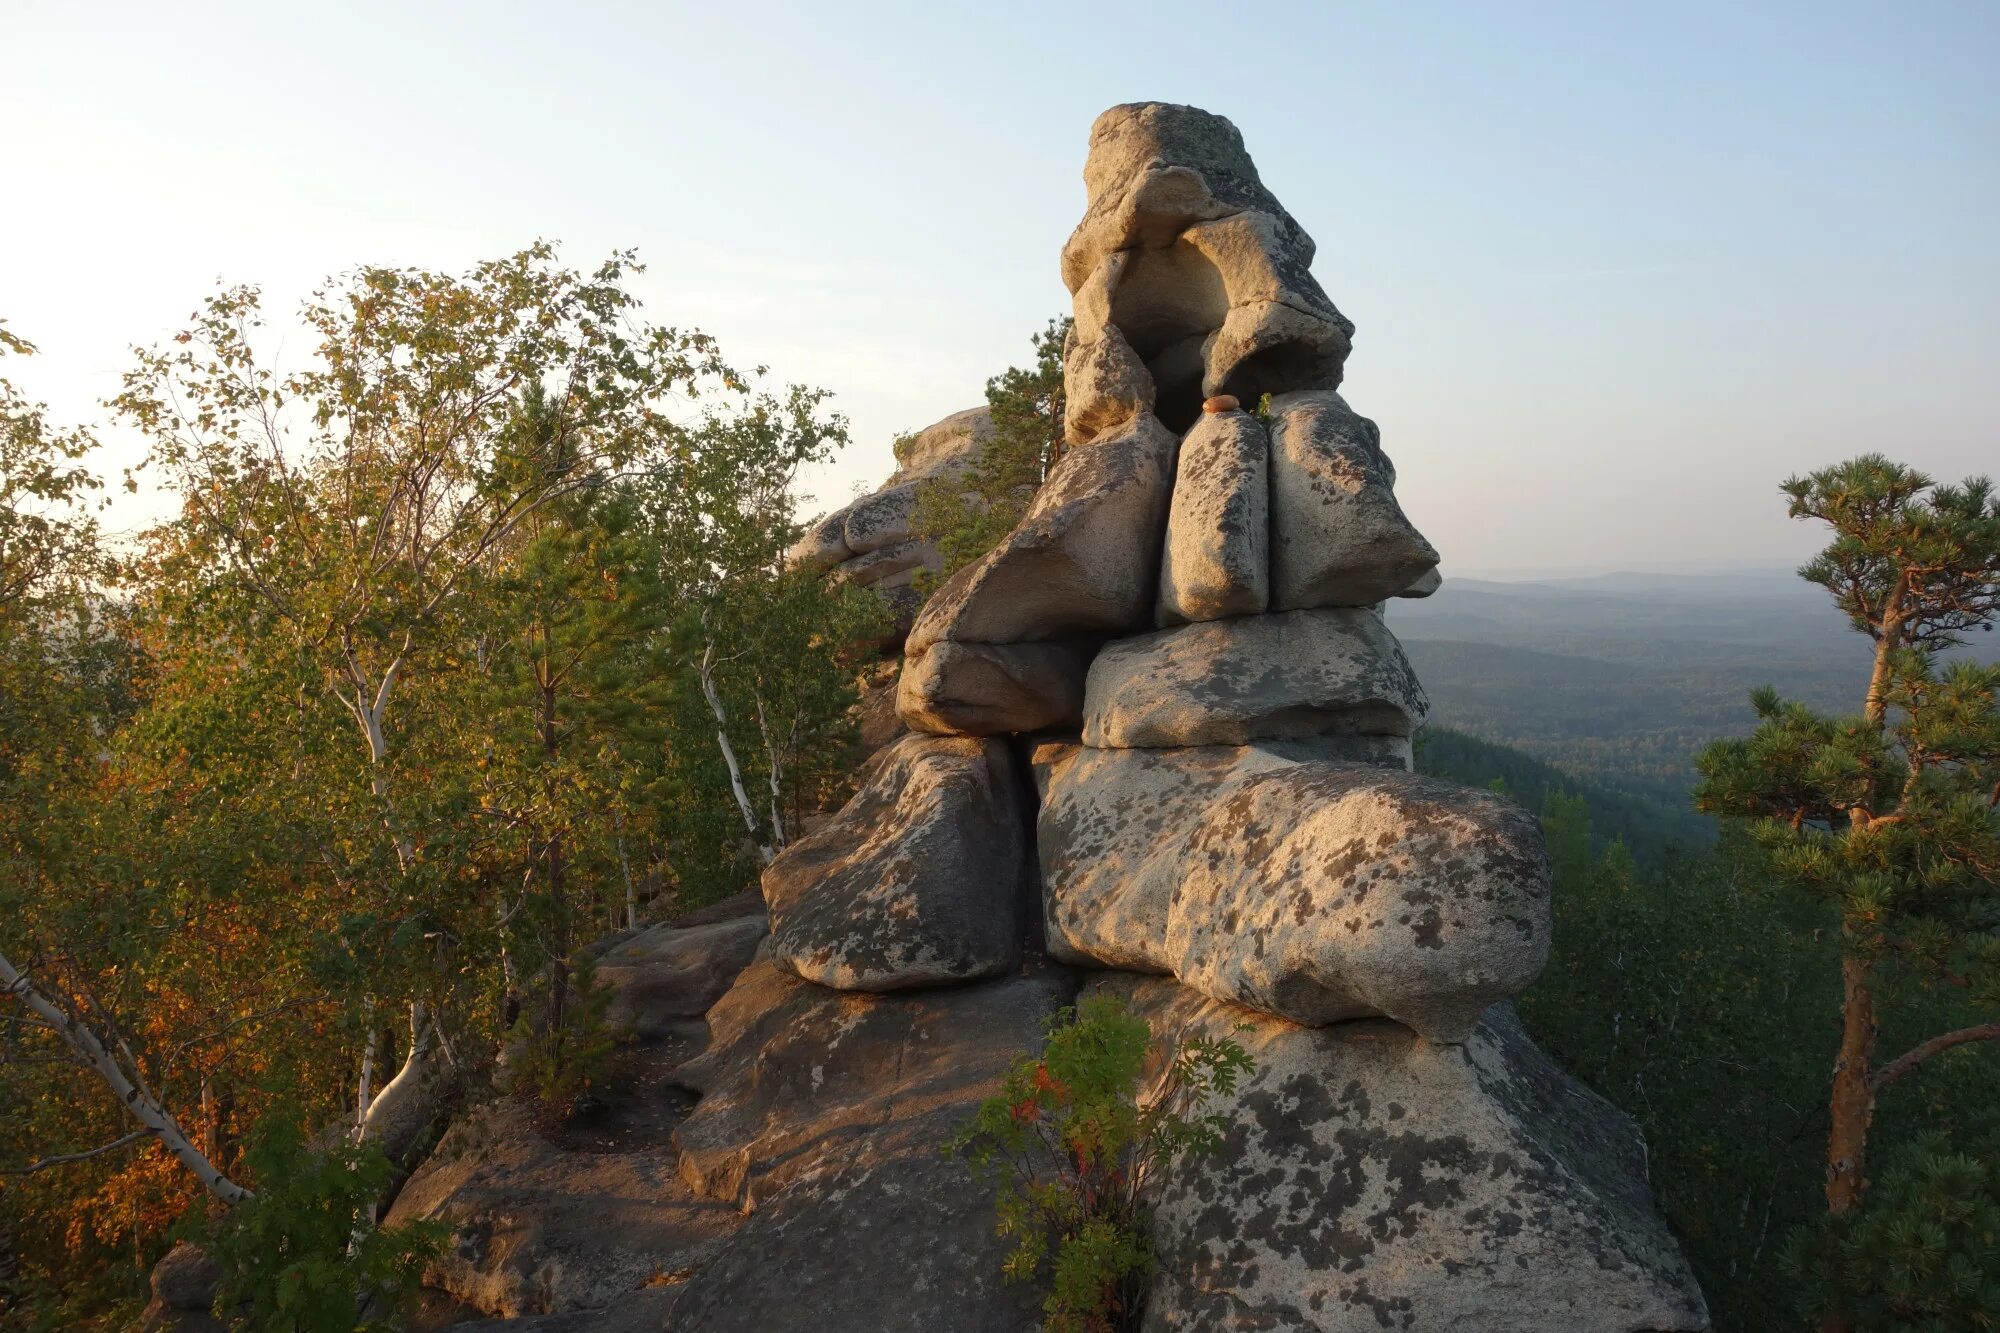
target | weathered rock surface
[
  {"x": 1424, "y": 586},
  {"x": 574, "y": 1221},
  {"x": 806, "y": 1188},
  {"x": 1185, "y": 253},
  {"x": 949, "y": 447},
  {"x": 1370, "y": 1179},
  {"x": 1083, "y": 560},
  {"x": 945, "y": 449},
  {"x": 184, "y": 1284},
  {"x": 1338, "y": 536},
  {"x": 667, "y": 975},
  {"x": 825, "y": 1114},
  {"x": 643, "y": 1311},
  {"x": 543, "y": 1227},
  {"x": 1105, "y": 385},
  {"x": 918, "y": 881},
  {"x": 989, "y": 689},
  {"x": 1156, "y": 168},
  {"x": 1311, "y": 890},
  {"x": 186, "y": 1278},
  {"x": 1228, "y": 682},
  {"x": 872, "y": 542},
  {"x": 1272, "y": 347},
  {"x": 875, "y": 720},
  {"x": 1218, "y": 560}
]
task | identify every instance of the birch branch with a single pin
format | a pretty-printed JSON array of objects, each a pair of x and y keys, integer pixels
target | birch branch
[
  {"x": 145, "y": 1108},
  {"x": 64, "y": 1159}
]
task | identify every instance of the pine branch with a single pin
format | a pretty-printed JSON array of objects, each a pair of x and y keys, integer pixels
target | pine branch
[{"x": 1923, "y": 1051}]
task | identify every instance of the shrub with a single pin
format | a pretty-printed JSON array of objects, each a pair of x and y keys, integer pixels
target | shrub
[
  {"x": 303, "y": 1255},
  {"x": 1072, "y": 1142},
  {"x": 556, "y": 1060}
]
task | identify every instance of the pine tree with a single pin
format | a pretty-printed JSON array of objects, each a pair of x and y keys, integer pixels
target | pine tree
[
  {"x": 1892, "y": 815},
  {"x": 968, "y": 516}
]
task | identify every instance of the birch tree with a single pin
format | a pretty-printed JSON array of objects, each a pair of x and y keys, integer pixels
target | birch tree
[{"x": 345, "y": 508}]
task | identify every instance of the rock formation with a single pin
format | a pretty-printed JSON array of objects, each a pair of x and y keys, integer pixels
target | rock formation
[
  {"x": 1160, "y": 729},
  {"x": 873, "y": 542},
  {"x": 919, "y": 881}
]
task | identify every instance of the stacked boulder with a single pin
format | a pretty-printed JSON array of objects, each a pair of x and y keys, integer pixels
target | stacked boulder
[
  {"x": 1181, "y": 647},
  {"x": 1158, "y": 746},
  {"x": 1189, "y": 617}
]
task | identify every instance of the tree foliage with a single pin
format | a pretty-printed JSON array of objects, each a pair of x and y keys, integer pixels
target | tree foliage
[
  {"x": 1891, "y": 816},
  {"x": 1924, "y": 1256},
  {"x": 966, "y": 517},
  {"x": 304, "y": 1255},
  {"x": 336, "y": 767},
  {"x": 1693, "y": 992}
]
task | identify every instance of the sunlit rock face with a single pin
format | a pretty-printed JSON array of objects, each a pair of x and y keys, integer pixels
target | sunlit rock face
[
  {"x": 1311, "y": 888},
  {"x": 1303, "y": 673},
  {"x": 1082, "y": 565},
  {"x": 1217, "y": 560},
  {"x": 918, "y": 881}
]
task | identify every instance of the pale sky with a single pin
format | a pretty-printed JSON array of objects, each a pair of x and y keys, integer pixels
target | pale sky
[{"x": 1617, "y": 269}]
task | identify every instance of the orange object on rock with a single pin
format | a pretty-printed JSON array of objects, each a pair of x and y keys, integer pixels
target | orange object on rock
[{"x": 1222, "y": 402}]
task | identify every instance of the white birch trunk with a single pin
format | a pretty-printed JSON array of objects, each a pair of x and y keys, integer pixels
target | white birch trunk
[
  {"x": 372, "y": 716},
  {"x": 625, "y": 867},
  {"x": 775, "y": 765},
  {"x": 365, "y": 1093},
  {"x": 125, "y": 1085},
  {"x": 742, "y": 793},
  {"x": 406, "y": 1103}
]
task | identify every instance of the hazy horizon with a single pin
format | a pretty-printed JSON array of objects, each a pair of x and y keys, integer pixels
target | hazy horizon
[{"x": 1616, "y": 274}]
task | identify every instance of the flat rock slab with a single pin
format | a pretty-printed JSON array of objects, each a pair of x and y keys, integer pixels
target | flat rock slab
[
  {"x": 1229, "y": 682},
  {"x": 824, "y": 1116},
  {"x": 1218, "y": 560},
  {"x": 542, "y": 1229},
  {"x": 665, "y": 975},
  {"x": 1338, "y": 535},
  {"x": 1312, "y": 890},
  {"x": 573, "y": 1222},
  {"x": 917, "y": 881},
  {"x": 643, "y": 1311},
  {"x": 1370, "y": 1180}
]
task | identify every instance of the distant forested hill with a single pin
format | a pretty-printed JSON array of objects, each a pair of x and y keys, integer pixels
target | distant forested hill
[
  {"x": 1648, "y": 828},
  {"x": 1621, "y": 679}
]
